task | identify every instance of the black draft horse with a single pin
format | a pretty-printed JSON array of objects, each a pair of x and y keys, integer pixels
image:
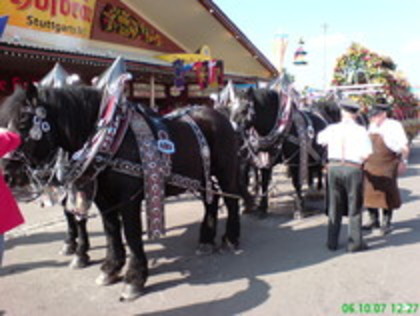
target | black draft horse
[
  {"x": 258, "y": 110},
  {"x": 330, "y": 111},
  {"x": 71, "y": 113}
]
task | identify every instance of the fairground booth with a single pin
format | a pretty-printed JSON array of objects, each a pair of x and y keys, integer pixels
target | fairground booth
[{"x": 179, "y": 51}]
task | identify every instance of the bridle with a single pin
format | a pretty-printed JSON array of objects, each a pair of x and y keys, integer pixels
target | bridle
[{"x": 40, "y": 175}]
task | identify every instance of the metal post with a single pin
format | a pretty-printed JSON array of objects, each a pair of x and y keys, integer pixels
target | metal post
[
  {"x": 152, "y": 92},
  {"x": 325, "y": 27}
]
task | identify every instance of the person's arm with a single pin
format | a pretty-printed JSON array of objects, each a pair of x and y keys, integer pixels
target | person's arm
[
  {"x": 366, "y": 145},
  {"x": 322, "y": 137},
  {"x": 9, "y": 141}
]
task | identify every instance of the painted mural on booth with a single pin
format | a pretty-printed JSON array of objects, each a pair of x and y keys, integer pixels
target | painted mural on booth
[
  {"x": 66, "y": 17},
  {"x": 115, "y": 22}
]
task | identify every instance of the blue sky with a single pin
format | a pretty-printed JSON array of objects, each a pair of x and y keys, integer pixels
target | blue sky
[{"x": 388, "y": 27}]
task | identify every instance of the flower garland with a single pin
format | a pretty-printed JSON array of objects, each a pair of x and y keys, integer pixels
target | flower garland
[{"x": 359, "y": 66}]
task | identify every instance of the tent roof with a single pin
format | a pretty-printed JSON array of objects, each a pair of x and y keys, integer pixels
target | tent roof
[{"x": 194, "y": 23}]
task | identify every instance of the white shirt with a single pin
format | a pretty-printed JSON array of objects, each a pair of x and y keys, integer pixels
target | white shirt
[
  {"x": 346, "y": 140},
  {"x": 392, "y": 133}
]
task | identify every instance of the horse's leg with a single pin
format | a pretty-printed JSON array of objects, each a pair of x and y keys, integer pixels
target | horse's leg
[
  {"x": 115, "y": 251},
  {"x": 255, "y": 186},
  {"x": 231, "y": 236},
  {"x": 320, "y": 177},
  {"x": 315, "y": 172},
  {"x": 137, "y": 271},
  {"x": 208, "y": 227},
  {"x": 265, "y": 181},
  {"x": 244, "y": 179},
  {"x": 311, "y": 175},
  {"x": 70, "y": 243},
  {"x": 81, "y": 258},
  {"x": 298, "y": 189}
]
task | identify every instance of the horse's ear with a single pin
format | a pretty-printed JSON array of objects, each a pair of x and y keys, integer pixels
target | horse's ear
[
  {"x": 32, "y": 93},
  {"x": 249, "y": 91}
]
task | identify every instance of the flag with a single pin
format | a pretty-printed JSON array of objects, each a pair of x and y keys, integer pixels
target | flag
[{"x": 3, "y": 23}]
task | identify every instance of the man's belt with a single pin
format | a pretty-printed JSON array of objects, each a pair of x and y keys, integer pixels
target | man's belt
[{"x": 347, "y": 163}]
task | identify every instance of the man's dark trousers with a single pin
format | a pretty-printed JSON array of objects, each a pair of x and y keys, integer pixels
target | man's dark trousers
[{"x": 345, "y": 189}]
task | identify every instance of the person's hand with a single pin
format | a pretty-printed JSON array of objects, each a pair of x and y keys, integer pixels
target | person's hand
[{"x": 402, "y": 167}]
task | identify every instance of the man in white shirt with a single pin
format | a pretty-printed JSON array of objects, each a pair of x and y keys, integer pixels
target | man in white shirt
[
  {"x": 390, "y": 153},
  {"x": 348, "y": 147}
]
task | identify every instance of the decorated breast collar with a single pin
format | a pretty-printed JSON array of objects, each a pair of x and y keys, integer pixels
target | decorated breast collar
[{"x": 282, "y": 123}]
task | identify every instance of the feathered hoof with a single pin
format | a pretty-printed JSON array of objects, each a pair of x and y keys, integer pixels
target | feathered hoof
[
  {"x": 105, "y": 279},
  {"x": 67, "y": 250},
  {"x": 205, "y": 249},
  {"x": 79, "y": 262},
  {"x": 228, "y": 246},
  {"x": 131, "y": 292},
  {"x": 249, "y": 210}
]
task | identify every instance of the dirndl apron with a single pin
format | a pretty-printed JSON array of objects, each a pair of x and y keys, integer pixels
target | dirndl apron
[{"x": 380, "y": 177}]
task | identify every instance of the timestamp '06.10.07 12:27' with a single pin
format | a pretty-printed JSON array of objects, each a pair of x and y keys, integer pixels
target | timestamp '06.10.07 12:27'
[{"x": 380, "y": 308}]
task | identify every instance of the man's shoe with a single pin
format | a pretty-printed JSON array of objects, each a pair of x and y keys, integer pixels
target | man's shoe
[
  {"x": 332, "y": 246},
  {"x": 361, "y": 247}
]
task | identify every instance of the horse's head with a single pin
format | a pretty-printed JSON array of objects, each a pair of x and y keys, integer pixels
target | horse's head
[
  {"x": 232, "y": 103},
  {"x": 257, "y": 108},
  {"x": 27, "y": 113},
  {"x": 242, "y": 110}
]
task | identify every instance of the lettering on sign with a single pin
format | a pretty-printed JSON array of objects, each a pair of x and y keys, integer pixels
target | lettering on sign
[
  {"x": 75, "y": 9},
  {"x": 69, "y": 17}
]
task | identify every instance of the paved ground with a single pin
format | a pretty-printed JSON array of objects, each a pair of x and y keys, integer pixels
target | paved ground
[{"x": 283, "y": 269}]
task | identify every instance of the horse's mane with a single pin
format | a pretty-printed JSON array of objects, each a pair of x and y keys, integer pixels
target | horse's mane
[
  {"x": 328, "y": 109},
  {"x": 266, "y": 102},
  {"x": 265, "y": 97},
  {"x": 71, "y": 101},
  {"x": 74, "y": 109}
]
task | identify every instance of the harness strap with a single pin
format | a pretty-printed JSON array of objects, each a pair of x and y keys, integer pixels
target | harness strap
[
  {"x": 205, "y": 155},
  {"x": 154, "y": 185},
  {"x": 132, "y": 169}
]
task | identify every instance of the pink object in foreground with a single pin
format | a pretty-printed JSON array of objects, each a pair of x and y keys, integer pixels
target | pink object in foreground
[{"x": 10, "y": 215}]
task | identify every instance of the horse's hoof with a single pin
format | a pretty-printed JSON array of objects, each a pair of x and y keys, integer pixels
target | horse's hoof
[
  {"x": 249, "y": 209},
  {"x": 105, "y": 279},
  {"x": 228, "y": 246},
  {"x": 79, "y": 262},
  {"x": 131, "y": 292},
  {"x": 298, "y": 215},
  {"x": 67, "y": 250},
  {"x": 205, "y": 249}
]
